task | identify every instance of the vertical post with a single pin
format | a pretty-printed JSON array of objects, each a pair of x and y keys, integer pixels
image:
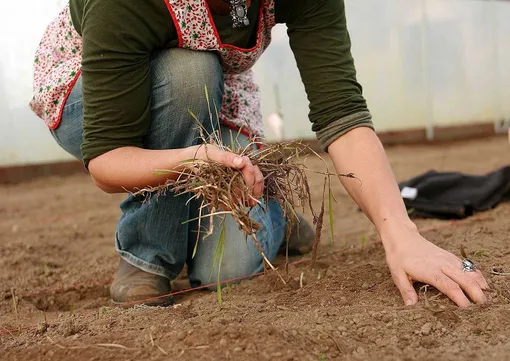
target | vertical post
[
  {"x": 501, "y": 121},
  {"x": 428, "y": 100}
]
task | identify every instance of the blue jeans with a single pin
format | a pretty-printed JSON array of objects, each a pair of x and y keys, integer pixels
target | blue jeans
[{"x": 153, "y": 236}]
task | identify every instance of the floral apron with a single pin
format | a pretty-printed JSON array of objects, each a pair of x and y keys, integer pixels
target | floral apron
[{"x": 58, "y": 60}]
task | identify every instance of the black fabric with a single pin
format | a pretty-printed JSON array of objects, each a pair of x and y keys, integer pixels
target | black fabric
[{"x": 456, "y": 195}]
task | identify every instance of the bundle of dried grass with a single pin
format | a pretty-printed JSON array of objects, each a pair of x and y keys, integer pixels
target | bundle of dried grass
[{"x": 223, "y": 191}]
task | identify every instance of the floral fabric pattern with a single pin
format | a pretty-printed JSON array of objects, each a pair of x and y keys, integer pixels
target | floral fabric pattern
[
  {"x": 57, "y": 63},
  {"x": 56, "y": 66},
  {"x": 192, "y": 23}
]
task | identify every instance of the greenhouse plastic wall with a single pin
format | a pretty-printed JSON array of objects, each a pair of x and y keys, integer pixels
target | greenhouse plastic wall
[{"x": 422, "y": 63}]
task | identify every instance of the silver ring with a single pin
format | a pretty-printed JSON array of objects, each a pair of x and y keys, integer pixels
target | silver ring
[{"x": 468, "y": 265}]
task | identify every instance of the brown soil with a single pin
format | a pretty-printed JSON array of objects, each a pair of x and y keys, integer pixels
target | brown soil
[{"x": 56, "y": 232}]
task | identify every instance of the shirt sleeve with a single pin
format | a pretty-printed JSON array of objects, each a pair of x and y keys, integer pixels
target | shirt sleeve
[
  {"x": 321, "y": 45},
  {"x": 118, "y": 39}
]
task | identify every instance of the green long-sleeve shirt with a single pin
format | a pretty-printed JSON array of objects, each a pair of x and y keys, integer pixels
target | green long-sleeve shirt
[{"x": 119, "y": 37}]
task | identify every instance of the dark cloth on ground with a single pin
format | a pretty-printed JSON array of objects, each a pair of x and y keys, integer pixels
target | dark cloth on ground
[{"x": 451, "y": 195}]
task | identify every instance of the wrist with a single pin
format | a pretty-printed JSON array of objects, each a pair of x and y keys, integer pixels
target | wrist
[
  {"x": 394, "y": 231},
  {"x": 194, "y": 152}
]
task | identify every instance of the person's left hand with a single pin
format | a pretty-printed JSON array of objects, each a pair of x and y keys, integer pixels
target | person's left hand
[{"x": 417, "y": 260}]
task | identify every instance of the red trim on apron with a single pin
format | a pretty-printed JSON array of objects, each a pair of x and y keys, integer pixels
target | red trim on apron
[
  {"x": 174, "y": 18},
  {"x": 68, "y": 92},
  {"x": 238, "y": 129}
]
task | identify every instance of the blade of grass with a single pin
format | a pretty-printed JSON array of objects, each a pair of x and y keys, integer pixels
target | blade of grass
[
  {"x": 218, "y": 120},
  {"x": 214, "y": 214},
  {"x": 232, "y": 140},
  {"x": 222, "y": 250},
  {"x": 239, "y": 131},
  {"x": 196, "y": 120},
  {"x": 215, "y": 258},
  {"x": 160, "y": 172},
  {"x": 218, "y": 258},
  {"x": 208, "y": 103},
  {"x": 198, "y": 232},
  {"x": 186, "y": 161},
  {"x": 331, "y": 220},
  {"x": 214, "y": 135}
]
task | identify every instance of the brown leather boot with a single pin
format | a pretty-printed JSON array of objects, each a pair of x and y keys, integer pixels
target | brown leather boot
[
  {"x": 131, "y": 284},
  {"x": 301, "y": 238}
]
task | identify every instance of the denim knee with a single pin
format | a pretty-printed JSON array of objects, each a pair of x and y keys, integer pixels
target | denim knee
[
  {"x": 241, "y": 256},
  {"x": 239, "y": 261},
  {"x": 152, "y": 235},
  {"x": 187, "y": 73},
  {"x": 180, "y": 78}
]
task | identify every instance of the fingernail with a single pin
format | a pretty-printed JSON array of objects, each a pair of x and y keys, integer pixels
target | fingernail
[
  {"x": 238, "y": 161},
  {"x": 409, "y": 302}
]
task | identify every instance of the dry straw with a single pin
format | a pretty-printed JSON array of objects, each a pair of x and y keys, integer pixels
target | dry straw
[{"x": 222, "y": 190}]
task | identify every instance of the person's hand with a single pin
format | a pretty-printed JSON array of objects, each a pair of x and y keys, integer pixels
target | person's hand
[
  {"x": 252, "y": 175},
  {"x": 417, "y": 260}
]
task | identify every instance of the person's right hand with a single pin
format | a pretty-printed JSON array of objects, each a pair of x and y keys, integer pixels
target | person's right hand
[{"x": 252, "y": 175}]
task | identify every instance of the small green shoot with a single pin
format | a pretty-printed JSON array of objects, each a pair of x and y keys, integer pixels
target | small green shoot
[
  {"x": 331, "y": 219},
  {"x": 198, "y": 234},
  {"x": 199, "y": 124},
  {"x": 160, "y": 172},
  {"x": 194, "y": 117},
  {"x": 187, "y": 161},
  {"x": 208, "y": 101},
  {"x": 482, "y": 253},
  {"x": 218, "y": 258},
  {"x": 42, "y": 326},
  {"x": 15, "y": 304},
  {"x": 102, "y": 311},
  {"x": 46, "y": 269},
  {"x": 364, "y": 240}
]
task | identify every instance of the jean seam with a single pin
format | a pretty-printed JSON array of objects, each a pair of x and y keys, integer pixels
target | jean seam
[
  {"x": 146, "y": 266},
  {"x": 143, "y": 264}
]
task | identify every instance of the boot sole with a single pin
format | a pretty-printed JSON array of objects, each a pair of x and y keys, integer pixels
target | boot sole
[{"x": 160, "y": 302}]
